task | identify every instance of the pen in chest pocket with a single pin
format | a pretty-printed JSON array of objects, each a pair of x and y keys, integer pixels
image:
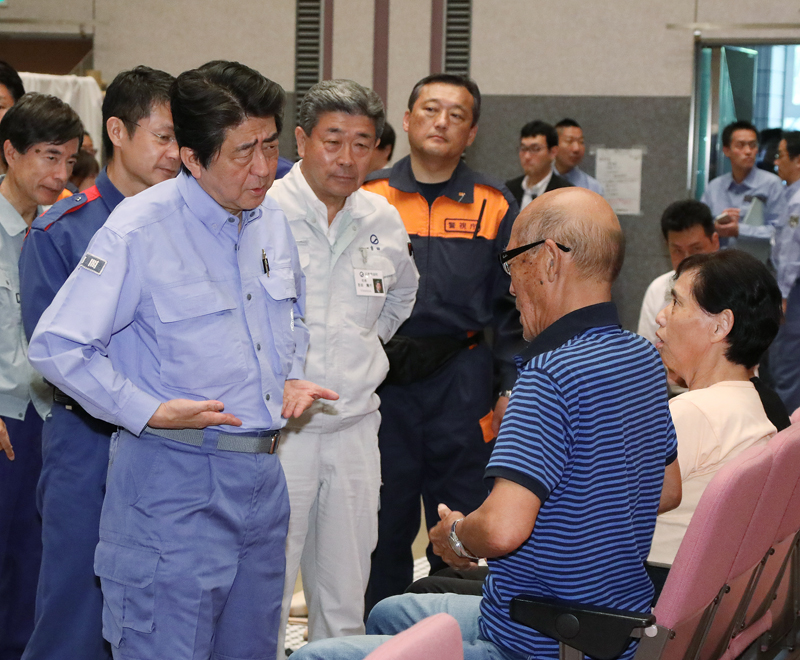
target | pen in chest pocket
[{"x": 265, "y": 262}]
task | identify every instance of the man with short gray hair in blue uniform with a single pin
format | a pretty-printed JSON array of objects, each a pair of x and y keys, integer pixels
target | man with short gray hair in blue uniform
[{"x": 183, "y": 326}]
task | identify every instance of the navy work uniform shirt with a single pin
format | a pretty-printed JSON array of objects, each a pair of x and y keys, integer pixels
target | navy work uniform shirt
[{"x": 56, "y": 242}]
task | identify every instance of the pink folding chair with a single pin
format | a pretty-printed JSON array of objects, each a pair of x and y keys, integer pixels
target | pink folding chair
[
  {"x": 777, "y": 520},
  {"x": 437, "y": 637}
]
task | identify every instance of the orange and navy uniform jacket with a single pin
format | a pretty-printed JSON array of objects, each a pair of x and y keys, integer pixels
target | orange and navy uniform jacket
[
  {"x": 56, "y": 242},
  {"x": 456, "y": 243}
]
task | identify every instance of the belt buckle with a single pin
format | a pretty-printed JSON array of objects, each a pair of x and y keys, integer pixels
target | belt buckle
[{"x": 273, "y": 445}]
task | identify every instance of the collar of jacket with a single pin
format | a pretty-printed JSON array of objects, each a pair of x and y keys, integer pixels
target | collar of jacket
[{"x": 459, "y": 187}]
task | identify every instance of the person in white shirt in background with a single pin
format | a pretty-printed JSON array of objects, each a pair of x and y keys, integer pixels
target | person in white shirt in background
[
  {"x": 688, "y": 228},
  {"x": 361, "y": 284}
]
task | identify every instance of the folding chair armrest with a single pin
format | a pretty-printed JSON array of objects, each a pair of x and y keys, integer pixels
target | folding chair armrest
[{"x": 599, "y": 632}]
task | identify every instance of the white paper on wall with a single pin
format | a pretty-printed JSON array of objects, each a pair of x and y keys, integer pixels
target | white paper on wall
[{"x": 620, "y": 172}]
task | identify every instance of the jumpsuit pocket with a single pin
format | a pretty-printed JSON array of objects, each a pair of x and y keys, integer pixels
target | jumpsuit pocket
[
  {"x": 195, "y": 322},
  {"x": 281, "y": 295},
  {"x": 303, "y": 253},
  {"x": 127, "y": 577},
  {"x": 367, "y": 309},
  {"x": 10, "y": 314}
]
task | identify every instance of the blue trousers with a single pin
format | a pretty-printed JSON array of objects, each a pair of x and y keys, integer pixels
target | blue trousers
[
  {"x": 784, "y": 354},
  {"x": 20, "y": 533},
  {"x": 191, "y": 553},
  {"x": 69, "y": 604},
  {"x": 399, "y": 613},
  {"x": 431, "y": 446}
]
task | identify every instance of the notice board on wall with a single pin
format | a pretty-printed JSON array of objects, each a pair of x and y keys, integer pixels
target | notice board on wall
[{"x": 620, "y": 172}]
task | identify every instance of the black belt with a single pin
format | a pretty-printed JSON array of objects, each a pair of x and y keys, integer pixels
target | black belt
[{"x": 66, "y": 400}]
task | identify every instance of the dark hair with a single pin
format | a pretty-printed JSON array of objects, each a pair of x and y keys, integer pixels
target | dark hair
[
  {"x": 131, "y": 96},
  {"x": 206, "y": 102},
  {"x": 387, "y": 139},
  {"x": 340, "y": 96},
  {"x": 736, "y": 280},
  {"x": 10, "y": 78},
  {"x": 450, "y": 79},
  {"x": 685, "y": 214},
  {"x": 85, "y": 165},
  {"x": 568, "y": 123},
  {"x": 39, "y": 118},
  {"x": 539, "y": 127},
  {"x": 742, "y": 125},
  {"x": 792, "y": 143}
]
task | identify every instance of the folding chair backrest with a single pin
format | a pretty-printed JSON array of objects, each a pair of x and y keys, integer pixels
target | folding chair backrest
[
  {"x": 755, "y": 567},
  {"x": 438, "y": 637},
  {"x": 707, "y": 556},
  {"x": 779, "y": 504}
]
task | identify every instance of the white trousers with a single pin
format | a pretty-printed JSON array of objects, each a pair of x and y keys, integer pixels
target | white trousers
[{"x": 334, "y": 485}]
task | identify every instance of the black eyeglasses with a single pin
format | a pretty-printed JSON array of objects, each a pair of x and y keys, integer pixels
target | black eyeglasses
[{"x": 508, "y": 255}]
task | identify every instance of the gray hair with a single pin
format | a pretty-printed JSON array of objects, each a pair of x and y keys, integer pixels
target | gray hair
[{"x": 340, "y": 96}]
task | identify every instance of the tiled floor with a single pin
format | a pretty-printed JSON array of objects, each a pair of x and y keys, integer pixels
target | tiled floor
[{"x": 294, "y": 633}]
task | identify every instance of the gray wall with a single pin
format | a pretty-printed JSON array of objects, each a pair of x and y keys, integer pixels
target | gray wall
[{"x": 657, "y": 124}]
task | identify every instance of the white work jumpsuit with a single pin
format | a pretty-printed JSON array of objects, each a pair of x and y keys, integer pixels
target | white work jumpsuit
[{"x": 361, "y": 284}]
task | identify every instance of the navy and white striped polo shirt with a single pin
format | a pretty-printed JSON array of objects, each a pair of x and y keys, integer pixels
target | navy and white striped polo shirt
[{"x": 588, "y": 431}]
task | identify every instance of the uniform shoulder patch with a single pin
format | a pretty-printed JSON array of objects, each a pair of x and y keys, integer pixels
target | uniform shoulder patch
[
  {"x": 64, "y": 206},
  {"x": 92, "y": 263}
]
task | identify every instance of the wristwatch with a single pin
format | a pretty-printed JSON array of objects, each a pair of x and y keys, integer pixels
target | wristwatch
[
  {"x": 457, "y": 546},
  {"x": 506, "y": 393}
]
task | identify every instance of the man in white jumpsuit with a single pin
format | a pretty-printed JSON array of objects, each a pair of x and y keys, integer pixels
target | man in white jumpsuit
[{"x": 361, "y": 283}]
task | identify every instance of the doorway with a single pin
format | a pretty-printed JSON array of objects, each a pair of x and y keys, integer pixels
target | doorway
[{"x": 759, "y": 83}]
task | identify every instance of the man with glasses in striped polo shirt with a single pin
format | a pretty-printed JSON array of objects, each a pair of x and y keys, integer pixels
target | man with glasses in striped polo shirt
[{"x": 585, "y": 446}]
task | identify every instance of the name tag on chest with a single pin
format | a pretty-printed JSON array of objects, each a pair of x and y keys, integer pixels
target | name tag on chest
[{"x": 369, "y": 282}]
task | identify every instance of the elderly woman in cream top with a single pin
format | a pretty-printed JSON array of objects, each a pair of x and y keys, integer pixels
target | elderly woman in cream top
[{"x": 724, "y": 313}]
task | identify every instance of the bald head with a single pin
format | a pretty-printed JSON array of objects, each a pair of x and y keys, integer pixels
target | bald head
[{"x": 581, "y": 220}]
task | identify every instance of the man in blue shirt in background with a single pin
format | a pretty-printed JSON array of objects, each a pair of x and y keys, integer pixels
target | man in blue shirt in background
[
  {"x": 571, "y": 150},
  {"x": 139, "y": 143},
  {"x": 40, "y": 136},
  {"x": 731, "y": 196},
  {"x": 183, "y": 325},
  {"x": 784, "y": 353}
]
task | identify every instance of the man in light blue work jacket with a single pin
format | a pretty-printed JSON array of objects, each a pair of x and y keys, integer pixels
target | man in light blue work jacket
[
  {"x": 732, "y": 197},
  {"x": 182, "y": 325},
  {"x": 362, "y": 283},
  {"x": 39, "y": 138}
]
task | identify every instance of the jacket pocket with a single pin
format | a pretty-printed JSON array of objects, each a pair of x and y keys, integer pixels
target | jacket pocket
[
  {"x": 367, "y": 309},
  {"x": 127, "y": 576},
  {"x": 10, "y": 311},
  {"x": 281, "y": 295},
  {"x": 198, "y": 336}
]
